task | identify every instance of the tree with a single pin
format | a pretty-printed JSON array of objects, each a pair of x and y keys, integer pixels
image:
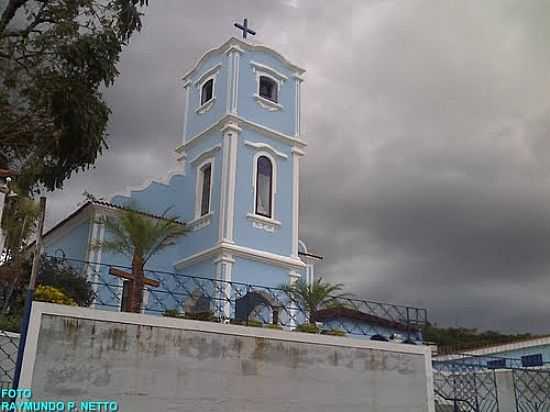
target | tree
[
  {"x": 139, "y": 237},
  {"x": 53, "y": 276},
  {"x": 315, "y": 296},
  {"x": 19, "y": 221},
  {"x": 54, "y": 57}
]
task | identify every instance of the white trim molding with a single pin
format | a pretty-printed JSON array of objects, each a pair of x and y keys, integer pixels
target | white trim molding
[
  {"x": 298, "y": 107},
  {"x": 264, "y": 103},
  {"x": 241, "y": 251},
  {"x": 268, "y": 104},
  {"x": 206, "y": 106},
  {"x": 271, "y": 72},
  {"x": 264, "y": 223},
  {"x": 239, "y": 122},
  {"x": 199, "y": 182},
  {"x": 265, "y": 146},
  {"x": 234, "y": 44},
  {"x": 187, "y": 91},
  {"x": 208, "y": 74},
  {"x": 207, "y": 153},
  {"x": 274, "y": 172},
  {"x": 231, "y": 134},
  {"x": 233, "y": 57},
  {"x": 199, "y": 222},
  {"x": 296, "y": 155}
]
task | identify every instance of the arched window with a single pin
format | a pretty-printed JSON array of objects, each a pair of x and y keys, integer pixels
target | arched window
[
  {"x": 268, "y": 89},
  {"x": 264, "y": 187},
  {"x": 207, "y": 91},
  {"x": 205, "y": 179}
]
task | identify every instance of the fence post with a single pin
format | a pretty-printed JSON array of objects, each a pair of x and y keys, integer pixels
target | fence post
[{"x": 30, "y": 294}]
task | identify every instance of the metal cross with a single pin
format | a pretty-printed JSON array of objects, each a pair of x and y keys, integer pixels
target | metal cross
[{"x": 244, "y": 28}]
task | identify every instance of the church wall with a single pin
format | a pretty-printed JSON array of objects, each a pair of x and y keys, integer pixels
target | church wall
[
  {"x": 149, "y": 363},
  {"x": 73, "y": 242},
  {"x": 279, "y": 241},
  {"x": 282, "y": 120},
  {"x": 258, "y": 273},
  {"x": 199, "y": 122}
]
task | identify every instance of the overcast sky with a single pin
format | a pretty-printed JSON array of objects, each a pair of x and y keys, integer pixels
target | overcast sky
[{"x": 427, "y": 176}]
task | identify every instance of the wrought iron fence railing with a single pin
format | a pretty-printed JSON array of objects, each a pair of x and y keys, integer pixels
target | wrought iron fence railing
[
  {"x": 461, "y": 386},
  {"x": 208, "y": 298}
]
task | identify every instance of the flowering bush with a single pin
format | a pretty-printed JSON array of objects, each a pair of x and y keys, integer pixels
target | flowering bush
[{"x": 52, "y": 295}]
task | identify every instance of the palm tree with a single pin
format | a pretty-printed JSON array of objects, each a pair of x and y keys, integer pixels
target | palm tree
[
  {"x": 139, "y": 236},
  {"x": 312, "y": 297}
]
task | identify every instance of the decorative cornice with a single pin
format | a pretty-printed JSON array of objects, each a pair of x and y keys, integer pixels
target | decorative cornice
[
  {"x": 234, "y": 127},
  {"x": 265, "y": 146},
  {"x": 263, "y": 223},
  {"x": 210, "y": 72},
  {"x": 240, "y": 121},
  {"x": 266, "y": 69},
  {"x": 234, "y": 43},
  {"x": 253, "y": 254},
  {"x": 208, "y": 152},
  {"x": 200, "y": 222},
  {"x": 206, "y": 106},
  {"x": 268, "y": 104}
]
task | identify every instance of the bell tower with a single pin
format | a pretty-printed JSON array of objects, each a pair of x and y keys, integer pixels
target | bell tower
[{"x": 242, "y": 145}]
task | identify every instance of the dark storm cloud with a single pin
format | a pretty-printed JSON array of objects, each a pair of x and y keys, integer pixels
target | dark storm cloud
[{"x": 427, "y": 174}]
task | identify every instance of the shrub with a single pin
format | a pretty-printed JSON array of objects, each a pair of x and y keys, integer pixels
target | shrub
[
  {"x": 52, "y": 295},
  {"x": 308, "y": 328},
  {"x": 333, "y": 332},
  {"x": 172, "y": 313},
  {"x": 254, "y": 323},
  {"x": 204, "y": 316},
  {"x": 272, "y": 326}
]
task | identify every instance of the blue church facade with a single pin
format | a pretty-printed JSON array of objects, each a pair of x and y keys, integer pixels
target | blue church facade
[{"x": 236, "y": 184}]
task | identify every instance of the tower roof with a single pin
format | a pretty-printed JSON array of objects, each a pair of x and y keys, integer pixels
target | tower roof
[{"x": 238, "y": 44}]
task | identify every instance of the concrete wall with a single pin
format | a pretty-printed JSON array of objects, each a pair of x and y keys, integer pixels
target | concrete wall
[{"x": 150, "y": 363}]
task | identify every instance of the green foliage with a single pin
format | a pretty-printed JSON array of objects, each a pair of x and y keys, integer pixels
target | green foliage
[
  {"x": 134, "y": 233},
  {"x": 315, "y": 296},
  {"x": 19, "y": 221},
  {"x": 51, "y": 273},
  {"x": 463, "y": 339},
  {"x": 204, "y": 316},
  {"x": 333, "y": 332},
  {"x": 172, "y": 313},
  {"x": 54, "y": 57},
  {"x": 52, "y": 295},
  {"x": 254, "y": 323},
  {"x": 273, "y": 326},
  {"x": 65, "y": 278},
  {"x": 308, "y": 328}
]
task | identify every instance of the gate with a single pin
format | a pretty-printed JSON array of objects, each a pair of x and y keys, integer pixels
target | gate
[
  {"x": 463, "y": 387},
  {"x": 532, "y": 390}
]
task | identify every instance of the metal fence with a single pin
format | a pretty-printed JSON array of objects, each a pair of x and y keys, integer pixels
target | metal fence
[
  {"x": 207, "y": 298},
  {"x": 461, "y": 386},
  {"x": 532, "y": 389}
]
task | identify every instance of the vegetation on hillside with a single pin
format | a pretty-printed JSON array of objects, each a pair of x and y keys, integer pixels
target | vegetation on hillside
[{"x": 450, "y": 340}]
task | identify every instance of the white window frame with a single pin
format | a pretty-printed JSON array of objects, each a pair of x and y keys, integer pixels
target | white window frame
[
  {"x": 199, "y": 185},
  {"x": 210, "y": 74},
  {"x": 207, "y": 105},
  {"x": 262, "y": 70},
  {"x": 269, "y": 224}
]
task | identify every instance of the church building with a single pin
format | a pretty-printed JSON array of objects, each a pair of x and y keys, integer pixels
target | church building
[{"x": 236, "y": 185}]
